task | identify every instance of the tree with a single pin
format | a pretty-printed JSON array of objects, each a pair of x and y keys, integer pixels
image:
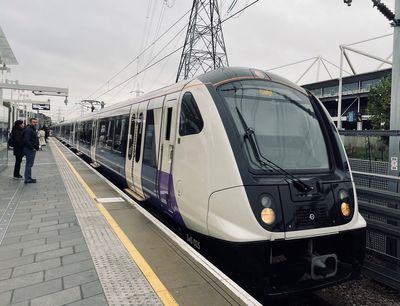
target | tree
[{"x": 379, "y": 104}]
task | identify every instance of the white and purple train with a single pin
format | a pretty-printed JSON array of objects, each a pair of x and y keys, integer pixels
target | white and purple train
[{"x": 248, "y": 166}]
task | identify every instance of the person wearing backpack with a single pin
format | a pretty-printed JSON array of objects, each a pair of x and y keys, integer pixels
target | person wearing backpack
[{"x": 16, "y": 141}]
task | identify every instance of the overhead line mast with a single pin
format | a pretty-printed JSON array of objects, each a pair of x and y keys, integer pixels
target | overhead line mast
[{"x": 204, "y": 47}]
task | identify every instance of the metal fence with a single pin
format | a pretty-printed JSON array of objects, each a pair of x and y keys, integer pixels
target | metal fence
[{"x": 379, "y": 206}]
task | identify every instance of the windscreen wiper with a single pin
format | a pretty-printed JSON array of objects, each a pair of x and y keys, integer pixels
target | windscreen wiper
[{"x": 251, "y": 136}]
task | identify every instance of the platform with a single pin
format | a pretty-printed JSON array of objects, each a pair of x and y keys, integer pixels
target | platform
[{"x": 74, "y": 239}]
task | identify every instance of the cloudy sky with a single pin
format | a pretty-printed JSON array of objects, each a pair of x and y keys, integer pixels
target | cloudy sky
[{"x": 82, "y": 44}]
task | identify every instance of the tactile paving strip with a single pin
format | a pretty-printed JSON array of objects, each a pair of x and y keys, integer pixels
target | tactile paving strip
[
  {"x": 123, "y": 282},
  {"x": 8, "y": 213}
]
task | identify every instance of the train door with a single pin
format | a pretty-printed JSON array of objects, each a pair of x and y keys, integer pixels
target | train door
[
  {"x": 168, "y": 135},
  {"x": 151, "y": 134},
  {"x": 133, "y": 163}
]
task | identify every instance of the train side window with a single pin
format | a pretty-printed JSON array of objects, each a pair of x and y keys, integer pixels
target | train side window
[
  {"x": 139, "y": 137},
  {"x": 89, "y": 132},
  {"x": 103, "y": 129},
  {"x": 191, "y": 121},
  {"x": 121, "y": 134},
  {"x": 124, "y": 134},
  {"x": 117, "y": 135},
  {"x": 149, "y": 150},
  {"x": 168, "y": 128},
  {"x": 110, "y": 133}
]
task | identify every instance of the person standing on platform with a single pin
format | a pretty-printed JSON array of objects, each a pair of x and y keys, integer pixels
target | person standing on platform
[
  {"x": 47, "y": 132},
  {"x": 41, "y": 135},
  {"x": 18, "y": 147},
  {"x": 31, "y": 145}
]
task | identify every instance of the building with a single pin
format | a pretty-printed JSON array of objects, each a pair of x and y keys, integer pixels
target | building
[{"x": 354, "y": 97}]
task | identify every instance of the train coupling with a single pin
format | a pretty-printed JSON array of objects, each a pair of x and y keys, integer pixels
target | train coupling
[{"x": 323, "y": 266}]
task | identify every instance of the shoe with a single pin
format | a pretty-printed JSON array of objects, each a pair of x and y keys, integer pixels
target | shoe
[
  {"x": 30, "y": 181},
  {"x": 18, "y": 177}
]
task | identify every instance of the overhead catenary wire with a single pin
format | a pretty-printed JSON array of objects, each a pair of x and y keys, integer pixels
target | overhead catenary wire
[
  {"x": 150, "y": 65},
  {"x": 144, "y": 69},
  {"x": 140, "y": 54},
  {"x": 156, "y": 33}
]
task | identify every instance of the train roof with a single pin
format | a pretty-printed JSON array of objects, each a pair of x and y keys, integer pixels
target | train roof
[
  {"x": 215, "y": 78},
  {"x": 224, "y": 75}
]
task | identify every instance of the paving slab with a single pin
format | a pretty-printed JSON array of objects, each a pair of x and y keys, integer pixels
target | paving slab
[{"x": 37, "y": 254}]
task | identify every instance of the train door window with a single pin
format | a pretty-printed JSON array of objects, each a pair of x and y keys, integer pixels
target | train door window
[
  {"x": 139, "y": 137},
  {"x": 149, "y": 151},
  {"x": 191, "y": 121},
  {"x": 168, "y": 127},
  {"x": 132, "y": 135}
]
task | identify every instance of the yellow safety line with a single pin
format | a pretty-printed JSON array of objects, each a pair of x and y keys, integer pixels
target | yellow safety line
[{"x": 162, "y": 292}]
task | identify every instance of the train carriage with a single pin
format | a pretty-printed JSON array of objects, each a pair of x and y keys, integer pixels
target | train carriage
[{"x": 248, "y": 166}]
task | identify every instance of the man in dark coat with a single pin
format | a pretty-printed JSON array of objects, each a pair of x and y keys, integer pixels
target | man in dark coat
[
  {"x": 47, "y": 132},
  {"x": 18, "y": 147},
  {"x": 31, "y": 145}
]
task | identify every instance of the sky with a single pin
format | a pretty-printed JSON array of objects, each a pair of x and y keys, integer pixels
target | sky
[{"x": 82, "y": 44}]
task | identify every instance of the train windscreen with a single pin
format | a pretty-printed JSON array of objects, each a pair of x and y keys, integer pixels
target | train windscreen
[{"x": 278, "y": 123}]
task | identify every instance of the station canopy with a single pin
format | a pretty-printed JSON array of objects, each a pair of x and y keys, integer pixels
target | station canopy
[{"x": 7, "y": 56}]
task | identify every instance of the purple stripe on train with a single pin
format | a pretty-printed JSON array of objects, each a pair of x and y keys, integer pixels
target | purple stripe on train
[{"x": 167, "y": 197}]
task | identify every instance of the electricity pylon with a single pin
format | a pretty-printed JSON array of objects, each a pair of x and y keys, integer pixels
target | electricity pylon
[{"x": 204, "y": 48}]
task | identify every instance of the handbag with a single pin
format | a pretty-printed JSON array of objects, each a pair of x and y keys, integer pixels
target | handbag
[{"x": 11, "y": 142}]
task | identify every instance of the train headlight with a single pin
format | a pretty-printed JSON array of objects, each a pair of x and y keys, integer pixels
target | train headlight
[
  {"x": 345, "y": 209},
  {"x": 344, "y": 199},
  {"x": 268, "y": 216}
]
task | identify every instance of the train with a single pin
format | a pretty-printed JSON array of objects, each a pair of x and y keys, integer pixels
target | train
[{"x": 247, "y": 166}]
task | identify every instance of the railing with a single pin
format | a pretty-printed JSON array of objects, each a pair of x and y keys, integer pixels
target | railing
[
  {"x": 368, "y": 153},
  {"x": 381, "y": 209}
]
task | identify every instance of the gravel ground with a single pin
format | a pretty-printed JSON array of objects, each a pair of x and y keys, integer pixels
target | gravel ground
[{"x": 363, "y": 292}]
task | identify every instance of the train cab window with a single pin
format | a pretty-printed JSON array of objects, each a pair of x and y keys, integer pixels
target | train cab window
[
  {"x": 139, "y": 137},
  {"x": 149, "y": 151},
  {"x": 191, "y": 121},
  {"x": 168, "y": 127}
]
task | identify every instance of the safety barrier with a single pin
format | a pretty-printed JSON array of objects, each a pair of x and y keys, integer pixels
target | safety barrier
[
  {"x": 381, "y": 209},
  {"x": 368, "y": 157}
]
